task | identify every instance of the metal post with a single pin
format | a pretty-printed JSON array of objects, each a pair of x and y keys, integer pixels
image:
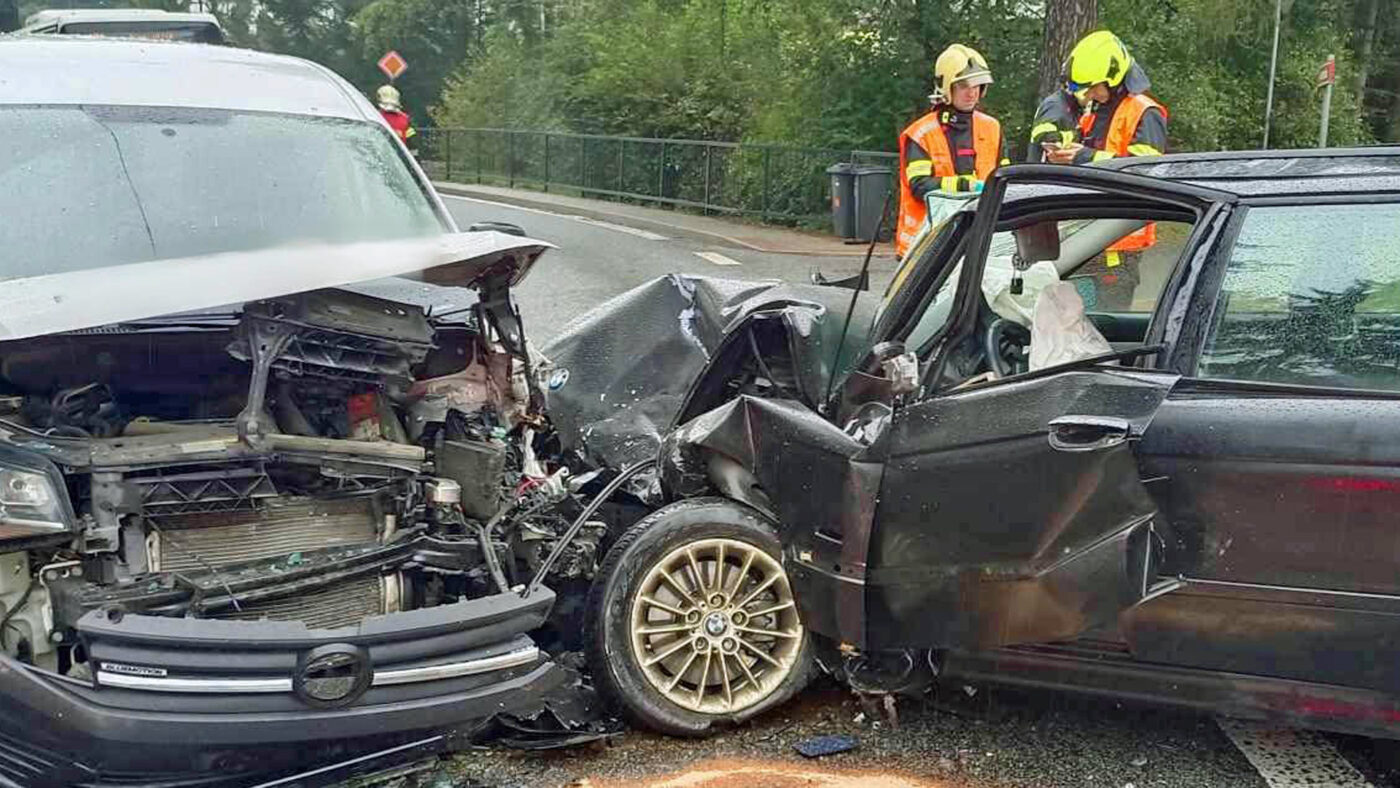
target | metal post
[
  {"x": 767, "y": 159},
  {"x": 1326, "y": 114},
  {"x": 1273, "y": 69},
  {"x": 477, "y": 146},
  {"x": 661, "y": 173},
  {"x": 621, "y": 166},
  {"x": 582, "y": 164},
  {"x": 546, "y": 162},
  {"x": 510, "y": 158},
  {"x": 706, "y": 210},
  {"x": 448, "y": 134}
]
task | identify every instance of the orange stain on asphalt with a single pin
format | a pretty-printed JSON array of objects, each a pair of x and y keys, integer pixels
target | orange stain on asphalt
[{"x": 766, "y": 774}]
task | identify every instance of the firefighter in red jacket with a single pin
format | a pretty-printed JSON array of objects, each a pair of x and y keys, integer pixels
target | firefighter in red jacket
[
  {"x": 1118, "y": 118},
  {"x": 391, "y": 107},
  {"x": 954, "y": 147}
]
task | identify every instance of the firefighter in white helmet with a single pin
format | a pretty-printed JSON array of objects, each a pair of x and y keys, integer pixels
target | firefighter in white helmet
[
  {"x": 391, "y": 107},
  {"x": 954, "y": 147}
]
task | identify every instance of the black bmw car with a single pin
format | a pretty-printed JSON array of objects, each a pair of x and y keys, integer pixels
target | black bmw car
[{"x": 1167, "y": 474}]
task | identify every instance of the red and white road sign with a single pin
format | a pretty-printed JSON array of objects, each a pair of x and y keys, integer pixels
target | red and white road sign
[
  {"x": 392, "y": 64},
  {"x": 1327, "y": 75}
]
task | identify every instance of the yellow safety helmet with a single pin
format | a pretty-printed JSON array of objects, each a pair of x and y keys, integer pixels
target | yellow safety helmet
[
  {"x": 389, "y": 99},
  {"x": 959, "y": 63},
  {"x": 1098, "y": 57}
]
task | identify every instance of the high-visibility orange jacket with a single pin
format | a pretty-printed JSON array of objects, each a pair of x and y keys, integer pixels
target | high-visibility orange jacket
[
  {"x": 930, "y": 134},
  {"x": 1121, "y": 140}
]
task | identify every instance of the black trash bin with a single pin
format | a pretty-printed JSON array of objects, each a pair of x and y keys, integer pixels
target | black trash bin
[
  {"x": 843, "y": 199},
  {"x": 872, "y": 185}
]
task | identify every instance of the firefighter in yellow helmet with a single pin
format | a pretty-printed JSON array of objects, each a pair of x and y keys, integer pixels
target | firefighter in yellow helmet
[
  {"x": 1108, "y": 91},
  {"x": 1116, "y": 118},
  {"x": 954, "y": 147}
]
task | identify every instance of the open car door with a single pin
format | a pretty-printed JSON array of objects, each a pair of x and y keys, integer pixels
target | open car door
[{"x": 1013, "y": 512}]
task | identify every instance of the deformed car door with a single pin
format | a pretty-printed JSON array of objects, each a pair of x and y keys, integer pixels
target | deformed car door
[{"x": 1014, "y": 513}]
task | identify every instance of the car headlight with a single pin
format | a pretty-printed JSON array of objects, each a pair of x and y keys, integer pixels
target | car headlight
[{"x": 31, "y": 503}]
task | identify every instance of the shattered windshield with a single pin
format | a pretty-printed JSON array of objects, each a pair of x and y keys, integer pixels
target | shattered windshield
[{"x": 133, "y": 184}]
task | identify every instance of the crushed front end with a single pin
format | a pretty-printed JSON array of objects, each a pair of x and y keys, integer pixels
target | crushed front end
[{"x": 256, "y": 542}]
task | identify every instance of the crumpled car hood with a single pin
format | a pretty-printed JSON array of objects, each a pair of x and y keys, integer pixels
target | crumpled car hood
[
  {"x": 623, "y": 370},
  {"x": 53, "y": 303}
]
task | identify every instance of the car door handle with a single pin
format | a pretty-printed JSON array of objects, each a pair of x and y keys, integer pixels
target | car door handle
[{"x": 1088, "y": 433}]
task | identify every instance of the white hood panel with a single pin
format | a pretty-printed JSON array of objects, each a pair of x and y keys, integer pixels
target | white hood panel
[{"x": 54, "y": 303}]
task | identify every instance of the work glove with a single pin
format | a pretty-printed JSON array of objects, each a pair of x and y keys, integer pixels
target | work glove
[{"x": 961, "y": 183}]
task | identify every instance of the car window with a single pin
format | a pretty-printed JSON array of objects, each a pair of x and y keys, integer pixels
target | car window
[
  {"x": 126, "y": 185},
  {"x": 1311, "y": 296},
  {"x": 936, "y": 312},
  {"x": 1107, "y": 281},
  {"x": 1128, "y": 276}
]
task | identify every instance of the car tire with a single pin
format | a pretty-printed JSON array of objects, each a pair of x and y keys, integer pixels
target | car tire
[{"x": 630, "y": 599}]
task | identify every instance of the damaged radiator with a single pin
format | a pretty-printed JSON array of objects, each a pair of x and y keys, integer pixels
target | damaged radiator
[
  {"x": 278, "y": 528},
  {"x": 340, "y": 605}
]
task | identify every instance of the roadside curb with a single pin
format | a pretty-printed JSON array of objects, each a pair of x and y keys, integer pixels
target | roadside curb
[{"x": 600, "y": 214}]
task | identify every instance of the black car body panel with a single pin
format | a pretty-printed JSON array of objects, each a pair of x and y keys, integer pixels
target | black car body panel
[
  {"x": 1066, "y": 547},
  {"x": 630, "y": 368}
]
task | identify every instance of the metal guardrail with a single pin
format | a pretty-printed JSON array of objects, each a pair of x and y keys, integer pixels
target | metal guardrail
[{"x": 772, "y": 182}]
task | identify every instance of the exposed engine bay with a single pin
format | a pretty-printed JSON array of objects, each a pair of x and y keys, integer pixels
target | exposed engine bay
[{"x": 321, "y": 458}]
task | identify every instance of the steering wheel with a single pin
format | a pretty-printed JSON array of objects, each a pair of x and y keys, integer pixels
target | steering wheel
[{"x": 1006, "y": 345}]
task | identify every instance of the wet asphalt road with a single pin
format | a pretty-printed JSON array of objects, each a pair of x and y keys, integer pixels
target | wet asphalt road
[
  {"x": 954, "y": 739},
  {"x": 596, "y": 261}
]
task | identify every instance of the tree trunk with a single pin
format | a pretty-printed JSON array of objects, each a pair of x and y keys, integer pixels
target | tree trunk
[
  {"x": 1392, "y": 130},
  {"x": 1366, "y": 45},
  {"x": 9, "y": 15},
  {"x": 1066, "y": 21}
]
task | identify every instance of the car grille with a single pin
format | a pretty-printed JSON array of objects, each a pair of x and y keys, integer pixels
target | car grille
[
  {"x": 337, "y": 606},
  {"x": 278, "y": 528}
]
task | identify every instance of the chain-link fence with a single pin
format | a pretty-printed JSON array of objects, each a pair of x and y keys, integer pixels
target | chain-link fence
[{"x": 771, "y": 182}]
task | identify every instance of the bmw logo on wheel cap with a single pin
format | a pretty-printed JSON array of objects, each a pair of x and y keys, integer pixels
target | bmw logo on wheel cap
[
  {"x": 558, "y": 378},
  {"x": 332, "y": 675}
]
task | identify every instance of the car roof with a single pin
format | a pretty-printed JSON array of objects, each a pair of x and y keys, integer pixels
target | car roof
[
  {"x": 1277, "y": 173},
  {"x": 72, "y": 70},
  {"x": 51, "y": 15}
]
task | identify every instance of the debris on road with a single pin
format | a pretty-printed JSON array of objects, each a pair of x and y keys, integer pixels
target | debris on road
[
  {"x": 1289, "y": 758},
  {"x": 825, "y": 745}
]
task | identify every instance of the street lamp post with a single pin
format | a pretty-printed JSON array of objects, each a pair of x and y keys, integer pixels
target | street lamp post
[
  {"x": 1273, "y": 69},
  {"x": 1326, "y": 78}
]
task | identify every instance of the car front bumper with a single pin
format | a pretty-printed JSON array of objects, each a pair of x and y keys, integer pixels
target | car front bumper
[{"x": 182, "y": 696}]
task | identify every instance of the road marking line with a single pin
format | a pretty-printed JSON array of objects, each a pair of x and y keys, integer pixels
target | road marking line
[
  {"x": 504, "y": 205},
  {"x": 647, "y": 234},
  {"x": 1288, "y": 758},
  {"x": 717, "y": 258}
]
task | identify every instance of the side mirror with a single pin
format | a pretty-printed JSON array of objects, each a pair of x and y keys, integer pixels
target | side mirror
[
  {"x": 890, "y": 361},
  {"x": 500, "y": 227},
  {"x": 853, "y": 282}
]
